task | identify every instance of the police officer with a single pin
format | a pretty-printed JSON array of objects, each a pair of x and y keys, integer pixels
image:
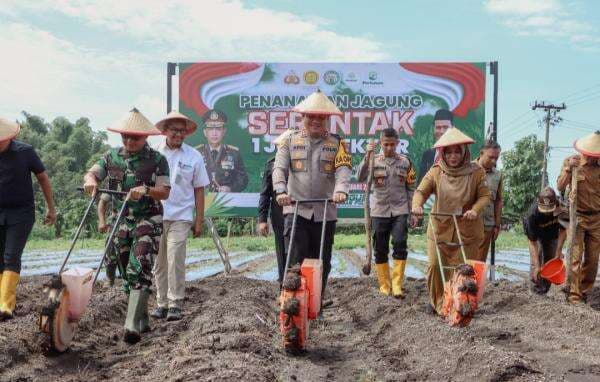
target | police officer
[
  {"x": 223, "y": 162},
  {"x": 492, "y": 215},
  {"x": 586, "y": 243},
  {"x": 312, "y": 164},
  {"x": 268, "y": 207},
  {"x": 143, "y": 173},
  {"x": 394, "y": 183}
]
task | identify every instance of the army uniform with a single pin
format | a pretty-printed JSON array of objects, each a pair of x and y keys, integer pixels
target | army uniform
[
  {"x": 393, "y": 184},
  {"x": 311, "y": 168},
  {"x": 225, "y": 167},
  {"x": 139, "y": 232},
  {"x": 586, "y": 247},
  {"x": 494, "y": 180}
]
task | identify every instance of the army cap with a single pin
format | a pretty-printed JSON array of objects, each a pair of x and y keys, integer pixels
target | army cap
[
  {"x": 214, "y": 119},
  {"x": 8, "y": 129},
  {"x": 547, "y": 200}
]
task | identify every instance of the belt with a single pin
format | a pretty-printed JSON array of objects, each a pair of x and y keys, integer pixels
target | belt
[{"x": 588, "y": 213}]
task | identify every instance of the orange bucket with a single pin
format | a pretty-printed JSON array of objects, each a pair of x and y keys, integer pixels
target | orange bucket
[
  {"x": 554, "y": 271},
  {"x": 480, "y": 271}
]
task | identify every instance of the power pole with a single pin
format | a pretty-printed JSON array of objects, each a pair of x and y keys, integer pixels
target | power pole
[{"x": 551, "y": 118}]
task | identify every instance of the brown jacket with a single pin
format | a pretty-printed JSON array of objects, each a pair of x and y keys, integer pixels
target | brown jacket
[
  {"x": 394, "y": 184},
  {"x": 312, "y": 168},
  {"x": 588, "y": 185},
  {"x": 471, "y": 230}
]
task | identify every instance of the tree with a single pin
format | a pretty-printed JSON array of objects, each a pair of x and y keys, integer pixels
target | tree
[
  {"x": 67, "y": 150},
  {"x": 522, "y": 170}
]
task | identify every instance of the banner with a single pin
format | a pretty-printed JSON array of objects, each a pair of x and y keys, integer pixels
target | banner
[{"x": 241, "y": 107}]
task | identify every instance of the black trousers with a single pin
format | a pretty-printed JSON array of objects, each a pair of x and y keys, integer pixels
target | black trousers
[
  {"x": 383, "y": 228},
  {"x": 307, "y": 242},
  {"x": 280, "y": 248},
  {"x": 546, "y": 252},
  {"x": 13, "y": 237}
]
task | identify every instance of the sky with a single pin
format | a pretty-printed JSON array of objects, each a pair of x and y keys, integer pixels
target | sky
[{"x": 78, "y": 58}]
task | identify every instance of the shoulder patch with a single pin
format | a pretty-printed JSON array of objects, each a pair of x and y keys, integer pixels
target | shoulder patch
[
  {"x": 342, "y": 158},
  {"x": 411, "y": 176}
]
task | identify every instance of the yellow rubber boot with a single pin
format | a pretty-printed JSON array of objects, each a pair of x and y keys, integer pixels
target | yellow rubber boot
[
  {"x": 398, "y": 278},
  {"x": 383, "y": 276},
  {"x": 8, "y": 293}
]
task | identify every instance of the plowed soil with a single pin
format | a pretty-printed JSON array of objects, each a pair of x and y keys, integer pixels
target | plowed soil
[{"x": 230, "y": 332}]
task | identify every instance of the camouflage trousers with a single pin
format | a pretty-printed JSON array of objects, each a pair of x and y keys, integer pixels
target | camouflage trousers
[{"x": 138, "y": 239}]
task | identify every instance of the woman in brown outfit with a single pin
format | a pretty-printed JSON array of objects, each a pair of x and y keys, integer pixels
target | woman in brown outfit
[{"x": 459, "y": 187}]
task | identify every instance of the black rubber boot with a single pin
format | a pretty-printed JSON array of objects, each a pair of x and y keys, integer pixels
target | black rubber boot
[{"x": 111, "y": 273}]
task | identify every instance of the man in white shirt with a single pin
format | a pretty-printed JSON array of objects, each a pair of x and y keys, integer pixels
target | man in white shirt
[{"x": 188, "y": 179}]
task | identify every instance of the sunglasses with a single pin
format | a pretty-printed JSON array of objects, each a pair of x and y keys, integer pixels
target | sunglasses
[{"x": 127, "y": 137}]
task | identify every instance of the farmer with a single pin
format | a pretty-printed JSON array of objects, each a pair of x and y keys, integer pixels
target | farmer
[
  {"x": 492, "y": 215},
  {"x": 542, "y": 228},
  {"x": 223, "y": 162},
  {"x": 459, "y": 188},
  {"x": 143, "y": 173},
  {"x": 267, "y": 206},
  {"x": 17, "y": 210},
  {"x": 183, "y": 211},
  {"x": 394, "y": 183},
  {"x": 442, "y": 121},
  {"x": 586, "y": 243},
  {"x": 312, "y": 164}
]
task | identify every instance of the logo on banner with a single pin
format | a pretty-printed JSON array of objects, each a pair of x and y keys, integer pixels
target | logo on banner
[
  {"x": 311, "y": 77},
  {"x": 373, "y": 76},
  {"x": 350, "y": 77},
  {"x": 291, "y": 79},
  {"x": 331, "y": 77}
]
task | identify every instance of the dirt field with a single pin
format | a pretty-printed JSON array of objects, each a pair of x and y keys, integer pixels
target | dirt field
[{"x": 230, "y": 333}]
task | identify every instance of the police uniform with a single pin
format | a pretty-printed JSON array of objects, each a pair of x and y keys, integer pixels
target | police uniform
[
  {"x": 494, "y": 180},
  {"x": 311, "y": 168},
  {"x": 586, "y": 243},
  {"x": 224, "y": 164},
  {"x": 393, "y": 187}
]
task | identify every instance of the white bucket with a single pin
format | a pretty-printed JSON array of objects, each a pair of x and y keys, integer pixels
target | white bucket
[{"x": 78, "y": 282}]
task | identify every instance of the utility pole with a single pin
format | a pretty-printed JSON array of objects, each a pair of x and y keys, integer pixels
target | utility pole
[{"x": 551, "y": 118}]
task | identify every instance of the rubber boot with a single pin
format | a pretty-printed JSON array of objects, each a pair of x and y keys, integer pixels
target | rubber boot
[
  {"x": 398, "y": 278},
  {"x": 8, "y": 294},
  {"x": 383, "y": 276},
  {"x": 145, "y": 320},
  {"x": 138, "y": 303}
]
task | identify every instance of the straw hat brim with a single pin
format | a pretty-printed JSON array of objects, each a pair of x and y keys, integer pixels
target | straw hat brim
[
  {"x": 317, "y": 104},
  {"x": 453, "y": 137},
  {"x": 8, "y": 130},
  {"x": 134, "y": 123},
  {"x": 589, "y": 146},
  {"x": 190, "y": 125}
]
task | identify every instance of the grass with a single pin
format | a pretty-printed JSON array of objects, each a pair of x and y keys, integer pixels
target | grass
[{"x": 416, "y": 242}]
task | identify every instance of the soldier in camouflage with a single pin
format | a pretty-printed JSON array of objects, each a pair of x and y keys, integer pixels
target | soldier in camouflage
[
  {"x": 224, "y": 163},
  {"x": 143, "y": 173}
]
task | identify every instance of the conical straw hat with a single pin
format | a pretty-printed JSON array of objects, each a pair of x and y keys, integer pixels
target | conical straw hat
[
  {"x": 317, "y": 103},
  {"x": 134, "y": 123},
  {"x": 452, "y": 137},
  {"x": 589, "y": 145},
  {"x": 190, "y": 125},
  {"x": 283, "y": 136},
  {"x": 8, "y": 129}
]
